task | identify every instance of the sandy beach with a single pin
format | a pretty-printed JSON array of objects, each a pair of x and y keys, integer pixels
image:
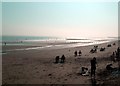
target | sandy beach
[{"x": 38, "y": 67}]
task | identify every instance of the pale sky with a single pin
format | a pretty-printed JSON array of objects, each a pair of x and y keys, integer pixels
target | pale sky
[{"x": 63, "y": 19}]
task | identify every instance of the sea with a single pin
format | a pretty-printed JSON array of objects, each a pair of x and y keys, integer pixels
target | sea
[{"x": 54, "y": 42}]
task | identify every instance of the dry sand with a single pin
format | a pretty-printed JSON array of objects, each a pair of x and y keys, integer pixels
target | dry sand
[{"x": 38, "y": 67}]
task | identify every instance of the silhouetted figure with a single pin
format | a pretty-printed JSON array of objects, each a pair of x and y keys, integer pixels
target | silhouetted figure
[
  {"x": 95, "y": 47},
  {"x": 113, "y": 57},
  {"x": 102, "y": 49},
  {"x": 114, "y": 44},
  {"x": 93, "y": 50},
  {"x": 82, "y": 71},
  {"x": 113, "y": 54},
  {"x": 108, "y": 67},
  {"x": 109, "y": 45},
  {"x": 75, "y": 53},
  {"x": 118, "y": 54},
  {"x": 86, "y": 72},
  {"x": 118, "y": 50},
  {"x": 62, "y": 59},
  {"x": 93, "y": 66},
  {"x": 80, "y": 52},
  {"x": 118, "y": 57},
  {"x": 57, "y": 59},
  {"x": 5, "y": 43}
]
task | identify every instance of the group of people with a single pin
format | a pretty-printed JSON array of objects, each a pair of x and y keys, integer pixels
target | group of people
[
  {"x": 102, "y": 49},
  {"x": 116, "y": 55},
  {"x": 58, "y": 59},
  {"x": 94, "y": 50},
  {"x": 109, "y": 45},
  {"x": 85, "y": 71},
  {"x": 77, "y": 53}
]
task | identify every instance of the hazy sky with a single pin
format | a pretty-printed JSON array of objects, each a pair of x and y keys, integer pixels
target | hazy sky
[{"x": 66, "y": 19}]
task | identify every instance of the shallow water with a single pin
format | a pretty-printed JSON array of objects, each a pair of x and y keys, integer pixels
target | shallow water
[
  {"x": 52, "y": 43},
  {"x": 60, "y": 46}
]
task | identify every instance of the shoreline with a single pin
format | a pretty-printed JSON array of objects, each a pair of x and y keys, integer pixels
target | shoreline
[{"x": 45, "y": 45}]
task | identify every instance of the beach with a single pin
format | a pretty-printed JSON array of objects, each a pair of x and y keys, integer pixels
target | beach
[
  {"x": 37, "y": 66},
  {"x": 60, "y": 43}
]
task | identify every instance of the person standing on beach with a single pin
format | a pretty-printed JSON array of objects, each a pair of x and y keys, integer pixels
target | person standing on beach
[
  {"x": 56, "y": 59},
  {"x": 118, "y": 57},
  {"x": 118, "y": 50},
  {"x": 80, "y": 52},
  {"x": 75, "y": 53},
  {"x": 93, "y": 66},
  {"x": 5, "y": 43},
  {"x": 62, "y": 59}
]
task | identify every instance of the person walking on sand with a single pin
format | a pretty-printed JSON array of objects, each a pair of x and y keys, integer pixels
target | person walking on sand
[{"x": 93, "y": 66}]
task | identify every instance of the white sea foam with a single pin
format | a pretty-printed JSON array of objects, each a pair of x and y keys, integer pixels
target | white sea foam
[{"x": 59, "y": 43}]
